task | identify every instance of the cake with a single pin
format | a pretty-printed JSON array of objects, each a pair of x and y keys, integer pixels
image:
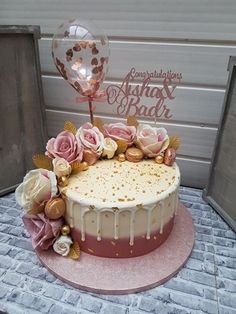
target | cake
[
  {"x": 109, "y": 190},
  {"x": 122, "y": 209}
]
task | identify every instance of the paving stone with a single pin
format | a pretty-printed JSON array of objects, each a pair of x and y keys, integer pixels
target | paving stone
[
  {"x": 71, "y": 297},
  {"x": 124, "y": 299},
  {"x": 226, "y": 284},
  {"x": 5, "y": 262},
  {"x": 54, "y": 293},
  {"x": 35, "y": 286},
  {"x": 31, "y": 301},
  {"x": 12, "y": 279},
  {"x": 227, "y": 298},
  {"x": 147, "y": 304},
  {"x": 226, "y": 310},
  {"x": 90, "y": 303},
  {"x": 4, "y": 291},
  {"x": 226, "y": 272},
  {"x": 4, "y": 249},
  {"x": 114, "y": 309},
  {"x": 197, "y": 276},
  {"x": 185, "y": 286}
]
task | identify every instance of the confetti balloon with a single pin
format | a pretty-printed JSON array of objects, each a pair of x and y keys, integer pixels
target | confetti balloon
[{"x": 81, "y": 52}]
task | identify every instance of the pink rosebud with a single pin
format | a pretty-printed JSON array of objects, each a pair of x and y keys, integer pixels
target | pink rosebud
[
  {"x": 66, "y": 146},
  {"x": 91, "y": 138},
  {"x": 120, "y": 131}
]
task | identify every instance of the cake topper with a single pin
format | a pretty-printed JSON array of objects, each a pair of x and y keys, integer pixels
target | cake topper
[{"x": 80, "y": 52}]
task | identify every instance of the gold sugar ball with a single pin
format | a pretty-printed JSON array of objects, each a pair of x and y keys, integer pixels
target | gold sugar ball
[
  {"x": 121, "y": 157},
  {"x": 55, "y": 208},
  {"x": 89, "y": 156},
  {"x": 63, "y": 181},
  {"x": 65, "y": 230},
  {"x": 159, "y": 159},
  {"x": 85, "y": 165}
]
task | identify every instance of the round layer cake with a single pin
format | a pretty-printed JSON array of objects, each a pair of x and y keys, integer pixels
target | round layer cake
[{"x": 122, "y": 209}]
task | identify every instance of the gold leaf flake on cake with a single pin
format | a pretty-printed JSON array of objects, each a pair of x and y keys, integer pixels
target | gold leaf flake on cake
[
  {"x": 132, "y": 121},
  {"x": 74, "y": 251},
  {"x": 70, "y": 127},
  {"x": 98, "y": 123},
  {"x": 174, "y": 142},
  {"x": 122, "y": 146},
  {"x": 42, "y": 161}
]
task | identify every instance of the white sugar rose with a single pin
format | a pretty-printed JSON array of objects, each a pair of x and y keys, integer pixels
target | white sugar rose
[
  {"x": 62, "y": 245},
  {"x": 61, "y": 167},
  {"x": 38, "y": 185},
  {"x": 152, "y": 141},
  {"x": 109, "y": 147}
]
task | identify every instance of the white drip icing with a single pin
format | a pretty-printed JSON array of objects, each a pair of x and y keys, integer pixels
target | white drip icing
[
  {"x": 132, "y": 221},
  {"x": 149, "y": 213},
  {"x": 116, "y": 225},
  {"x": 162, "y": 214},
  {"x": 70, "y": 213},
  {"x": 82, "y": 213},
  {"x": 98, "y": 225}
]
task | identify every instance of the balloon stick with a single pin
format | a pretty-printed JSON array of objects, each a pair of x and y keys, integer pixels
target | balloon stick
[{"x": 91, "y": 110}]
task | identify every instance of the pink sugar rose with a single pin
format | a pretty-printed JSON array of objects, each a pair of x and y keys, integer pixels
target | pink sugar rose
[
  {"x": 91, "y": 138},
  {"x": 66, "y": 146},
  {"x": 152, "y": 141},
  {"x": 120, "y": 131},
  {"x": 43, "y": 231}
]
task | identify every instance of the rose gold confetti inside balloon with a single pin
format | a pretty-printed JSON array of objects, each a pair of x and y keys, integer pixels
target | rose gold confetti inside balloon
[{"x": 80, "y": 52}]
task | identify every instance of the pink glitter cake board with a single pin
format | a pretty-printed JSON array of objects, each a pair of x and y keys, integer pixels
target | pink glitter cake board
[{"x": 127, "y": 275}]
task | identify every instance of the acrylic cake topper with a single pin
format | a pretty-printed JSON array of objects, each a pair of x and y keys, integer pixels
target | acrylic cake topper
[{"x": 129, "y": 98}]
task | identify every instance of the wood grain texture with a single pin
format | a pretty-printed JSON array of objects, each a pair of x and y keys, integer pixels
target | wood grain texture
[
  {"x": 193, "y": 170},
  {"x": 191, "y": 105},
  {"x": 196, "y": 141},
  {"x": 199, "y": 64},
  {"x": 21, "y": 108},
  {"x": 212, "y": 20},
  {"x": 220, "y": 191}
]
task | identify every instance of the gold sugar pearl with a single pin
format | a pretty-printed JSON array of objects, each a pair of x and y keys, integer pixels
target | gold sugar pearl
[
  {"x": 85, "y": 165},
  {"x": 159, "y": 159},
  {"x": 63, "y": 181},
  {"x": 121, "y": 157},
  {"x": 65, "y": 230}
]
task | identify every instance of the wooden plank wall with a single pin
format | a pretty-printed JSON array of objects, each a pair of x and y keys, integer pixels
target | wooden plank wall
[{"x": 188, "y": 36}]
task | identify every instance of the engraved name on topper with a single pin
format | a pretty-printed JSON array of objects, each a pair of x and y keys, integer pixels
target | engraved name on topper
[{"x": 129, "y": 96}]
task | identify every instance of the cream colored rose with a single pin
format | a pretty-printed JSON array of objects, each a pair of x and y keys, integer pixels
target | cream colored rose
[
  {"x": 109, "y": 147},
  {"x": 152, "y": 140},
  {"x": 38, "y": 185},
  {"x": 61, "y": 167},
  {"x": 62, "y": 245}
]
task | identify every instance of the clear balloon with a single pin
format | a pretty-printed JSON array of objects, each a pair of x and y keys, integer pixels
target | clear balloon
[{"x": 81, "y": 53}]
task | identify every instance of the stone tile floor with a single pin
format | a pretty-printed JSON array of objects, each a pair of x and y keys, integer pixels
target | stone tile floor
[{"x": 206, "y": 284}]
